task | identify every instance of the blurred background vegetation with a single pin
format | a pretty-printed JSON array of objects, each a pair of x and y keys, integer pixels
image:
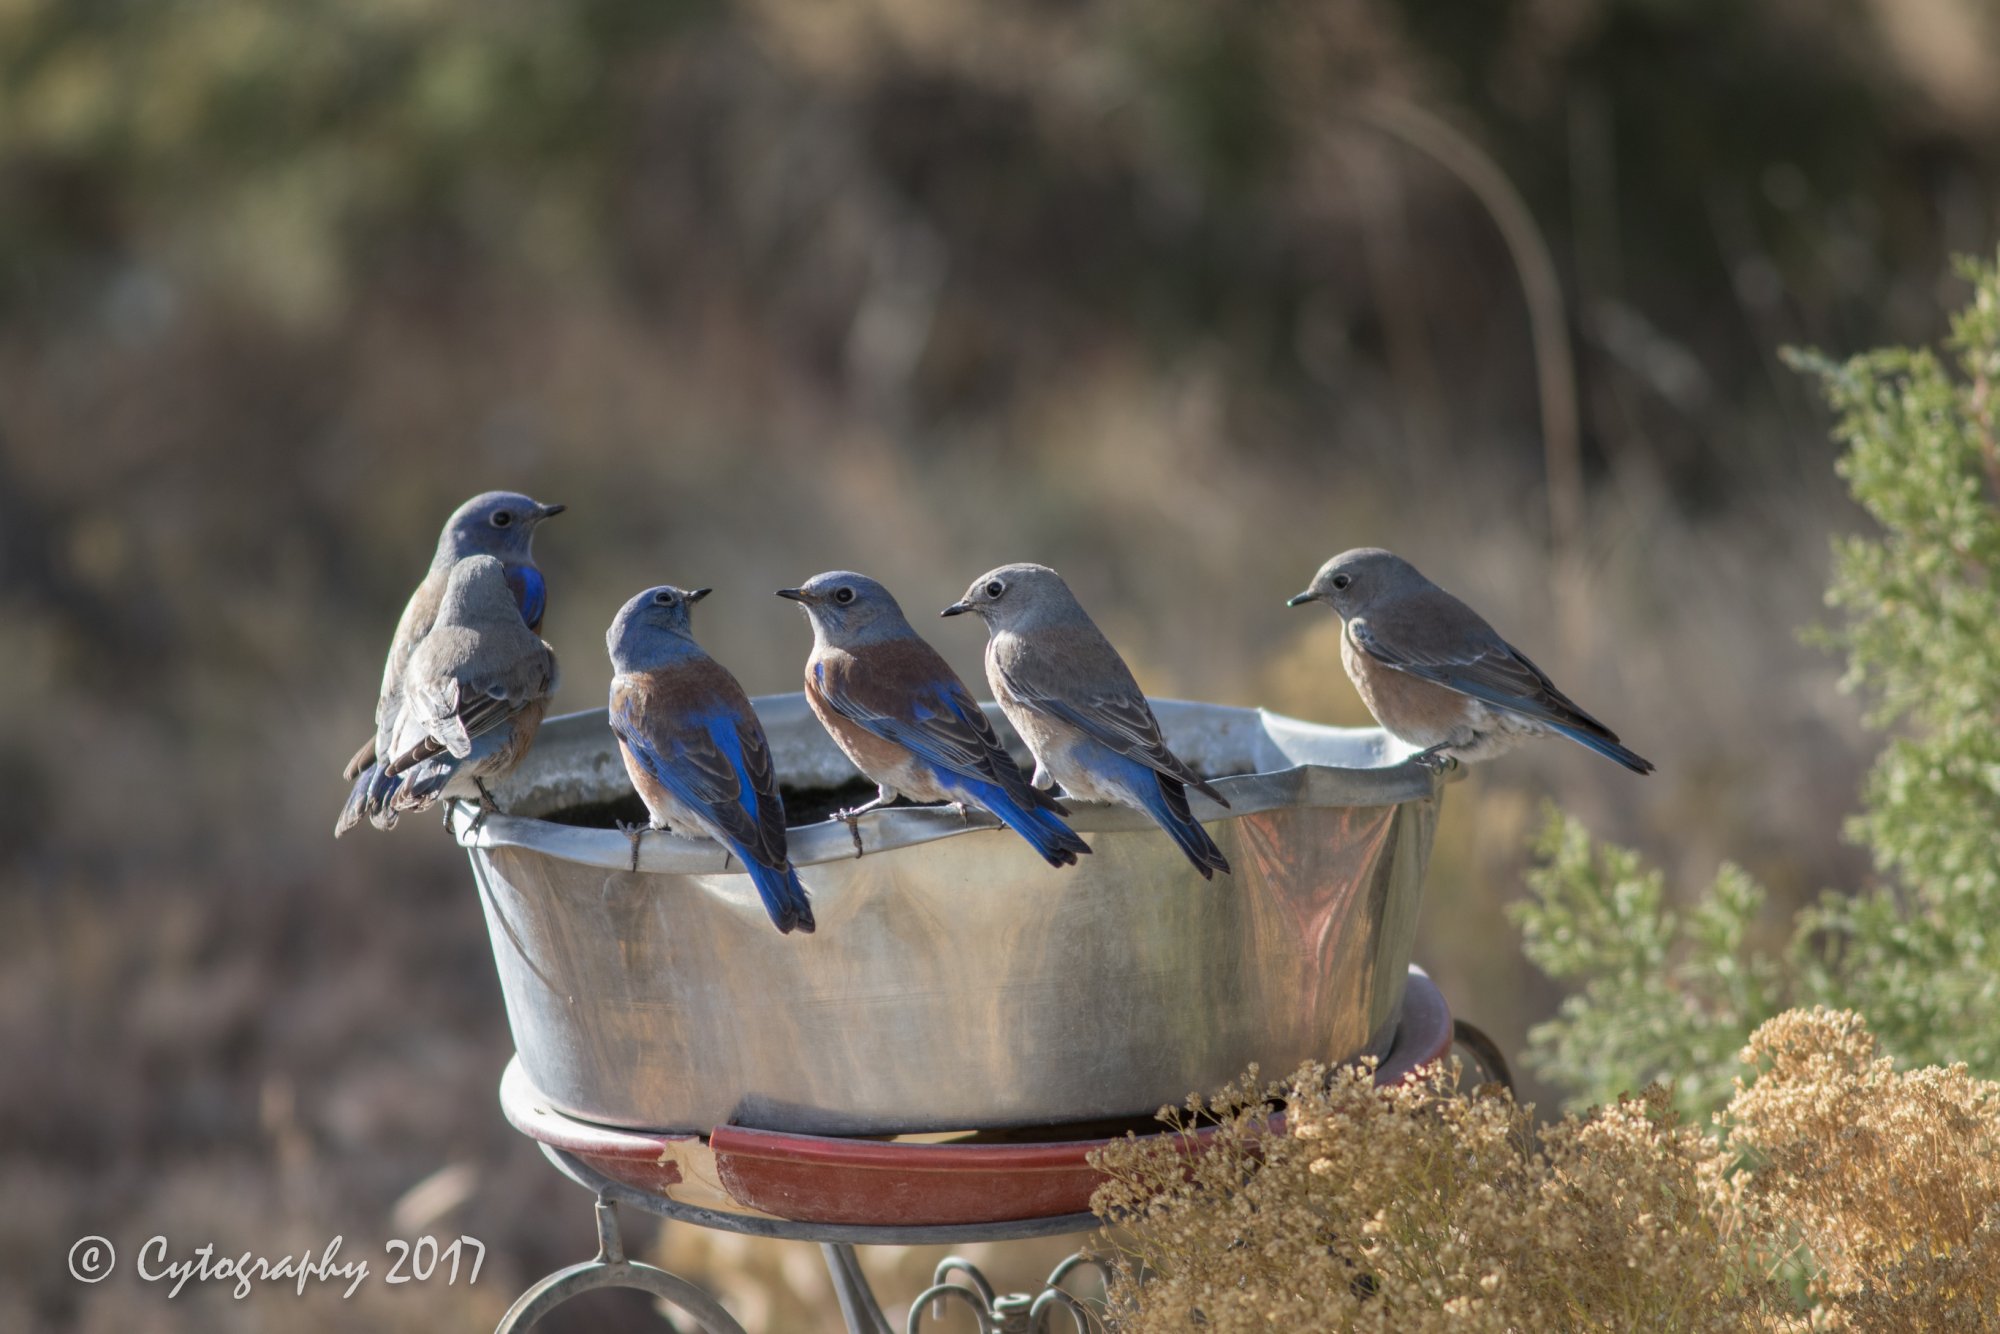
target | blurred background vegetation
[{"x": 1142, "y": 290}]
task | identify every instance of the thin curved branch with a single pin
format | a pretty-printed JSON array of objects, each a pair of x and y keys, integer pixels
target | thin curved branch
[{"x": 1548, "y": 325}]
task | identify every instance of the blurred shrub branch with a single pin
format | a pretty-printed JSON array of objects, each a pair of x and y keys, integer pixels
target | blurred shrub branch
[{"x": 1668, "y": 996}]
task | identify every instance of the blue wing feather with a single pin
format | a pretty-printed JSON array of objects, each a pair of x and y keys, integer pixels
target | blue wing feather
[{"x": 710, "y": 765}]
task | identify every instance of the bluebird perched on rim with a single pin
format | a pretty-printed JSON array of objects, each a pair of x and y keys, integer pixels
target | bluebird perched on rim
[
  {"x": 696, "y": 752},
  {"x": 902, "y": 715},
  {"x": 474, "y": 692},
  {"x": 1074, "y": 702},
  {"x": 1435, "y": 674},
  {"x": 496, "y": 523}
]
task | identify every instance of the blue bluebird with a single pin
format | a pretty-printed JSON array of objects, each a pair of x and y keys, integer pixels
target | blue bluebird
[
  {"x": 902, "y": 715},
  {"x": 1435, "y": 674},
  {"x": 1074, "y": 702},
  {"x": 697, "y": 756},
  {"x": 474, "y": 693},
  {"x": 497, "y": 523}
]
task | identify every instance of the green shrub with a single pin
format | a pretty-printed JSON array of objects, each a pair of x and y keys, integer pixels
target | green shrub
[{"x": 1666, "y": 996}]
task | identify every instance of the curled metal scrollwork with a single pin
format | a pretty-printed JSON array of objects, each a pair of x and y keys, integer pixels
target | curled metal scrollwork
[{"x": 958, "y": 1279}]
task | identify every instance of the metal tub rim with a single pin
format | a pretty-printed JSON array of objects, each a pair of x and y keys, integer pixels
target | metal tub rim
[{"x": 1308, "y": 779}]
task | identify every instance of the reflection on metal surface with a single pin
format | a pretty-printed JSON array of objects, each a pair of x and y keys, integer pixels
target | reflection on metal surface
[{"x": 956, "y": 980}]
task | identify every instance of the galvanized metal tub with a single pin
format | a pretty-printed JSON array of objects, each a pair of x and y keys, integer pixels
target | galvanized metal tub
[{"x": 956, "y": 981}]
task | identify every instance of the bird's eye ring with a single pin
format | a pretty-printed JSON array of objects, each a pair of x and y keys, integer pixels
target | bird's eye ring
[
  {"x": 501, "y": 518},
  {"x": 995, "y": 589},
  {"x": 1342, "y": 580},
  {"x": 663, "y": 598},
  {"x": 843, "y": 596}
]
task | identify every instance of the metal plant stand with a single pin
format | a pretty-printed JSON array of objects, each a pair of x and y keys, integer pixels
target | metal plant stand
[
  {"x": 955, "y": 1280},
  {"x": 612, "y": 1270},
  {"x": 842, "y": 1193}
]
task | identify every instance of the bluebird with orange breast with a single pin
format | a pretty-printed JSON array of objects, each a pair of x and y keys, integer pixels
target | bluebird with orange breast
[
  {"x": 1074, "y": 702},
  {"x": 1436, "y": 675},
  {"x": 474, "y": 693},
  {"x": 500, "y": 524},
  {"x": 902, "y": 715},
  {"x": 694, "y": 749}
]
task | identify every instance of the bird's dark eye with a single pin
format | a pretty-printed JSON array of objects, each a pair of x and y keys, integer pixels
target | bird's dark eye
[
  {"x": 1342, "y": 580},
  {"x": 843, "y": 596},
  {"x": 501, "y": 518},
  {"x": 663, "y": 598},
  {"x": 995, "y": 589}
]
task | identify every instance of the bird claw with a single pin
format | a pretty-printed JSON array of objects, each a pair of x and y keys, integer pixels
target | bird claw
[
  {"x": 480, "y": 810},
  {"x": 851, "y": 815},
  {"x": 852, "y": 819},
  {"x": 1434, "y": 760},
  {"x": 633, "y": 833}
]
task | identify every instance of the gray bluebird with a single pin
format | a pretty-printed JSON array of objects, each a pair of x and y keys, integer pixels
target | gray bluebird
[
  {"x": 474, "y": 693},
  {"x": 497, "y": 523},
  {"x": 1074, "y": 702},
  {"x": 902, "y": 715},
  {"x": 694, "y": 749},
  {"x": 1435, "y": 674}
]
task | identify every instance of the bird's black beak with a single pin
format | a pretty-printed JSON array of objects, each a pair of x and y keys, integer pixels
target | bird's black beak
[
  {"x": 795, "y": 594},
  {"x": 956, "y": 608},
  {"x": 548, "y": 511},
  {"x": 696, "y": 595},
  {"x": 1300, "y": 599}
]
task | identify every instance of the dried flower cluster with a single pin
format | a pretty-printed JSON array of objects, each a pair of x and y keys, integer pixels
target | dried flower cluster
[
  {"x": 1892, "y": 1180},
  {"x": 1417, "y": 1207}
]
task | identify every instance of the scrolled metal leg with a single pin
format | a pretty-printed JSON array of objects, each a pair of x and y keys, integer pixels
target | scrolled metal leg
[
  {"x": 1015, "y": 1313},
  {"x": 857, "y": 1300},
  {"x": 612, "y": 1270}
]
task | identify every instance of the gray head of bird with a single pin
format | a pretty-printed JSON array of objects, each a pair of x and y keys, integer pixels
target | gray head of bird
[
  {"x": 846, "y": 608},
  {"x": 1020, "y": 596},
  {"x": 495, "y": 523},
  {"x": 1352, "y": 581},
  {"x": 653, "y": 625}
]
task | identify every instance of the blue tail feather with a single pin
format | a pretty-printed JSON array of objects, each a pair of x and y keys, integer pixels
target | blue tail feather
[
  {"x": 1058, "y": 844},
  {"x": 784, "y": 897},
  {"x": 372, "y": 796},
  {"x": 1165, "y": 799},
  {"x": 1607, "y": 747},
  {"x": 356, "y": 808}
]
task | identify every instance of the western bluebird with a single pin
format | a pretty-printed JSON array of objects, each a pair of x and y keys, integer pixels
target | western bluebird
[
  {"x": 902, "y": 715},
  {"x": 696, "y": 753},
  {"x": 1074, "y": 702},
  {"x": 1435, "y": 674},
  {"x": 473, "y": 694},
  {"x": 497, "y": 523}
]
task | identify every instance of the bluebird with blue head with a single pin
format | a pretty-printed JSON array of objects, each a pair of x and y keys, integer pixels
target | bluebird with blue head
[
  {"x": 902, "y": 715},
  {"x": 1074, "y": 702},
  {"x": 474, "y": 693},
  {"x": 695, "y": 751},
  {"x": 500, "y": 524},
  {"x": 1435, "y": 674}
]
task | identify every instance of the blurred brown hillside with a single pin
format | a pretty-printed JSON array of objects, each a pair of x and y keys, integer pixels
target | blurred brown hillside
[{"x": 1139, "y": 289}]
